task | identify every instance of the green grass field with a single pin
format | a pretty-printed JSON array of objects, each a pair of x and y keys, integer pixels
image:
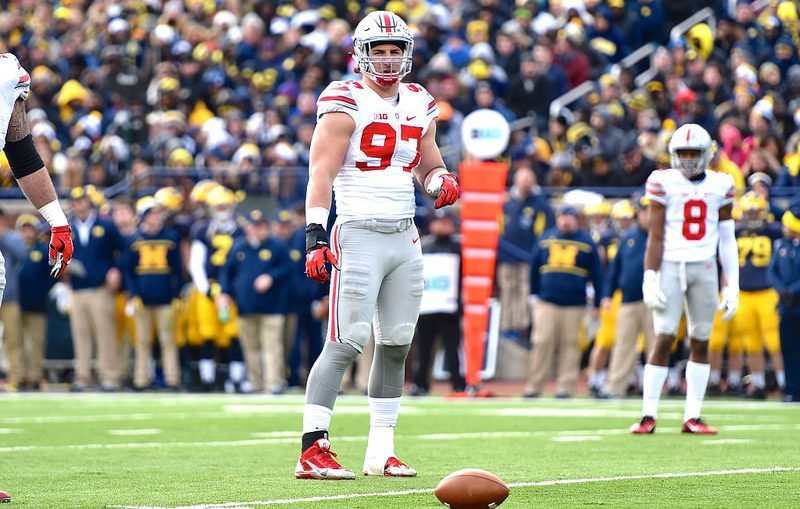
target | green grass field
[{"x": 168, "y": 451}]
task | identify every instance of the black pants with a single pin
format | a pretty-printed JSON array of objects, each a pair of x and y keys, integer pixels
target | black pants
[
  {"x": 429, "y": 327},
  {"x": 790, "y": 348}
]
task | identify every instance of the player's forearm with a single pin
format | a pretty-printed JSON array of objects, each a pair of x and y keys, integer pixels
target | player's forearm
[
  {"x": 318, "y": 197},
  {"x": 38, "y": 188},
  {"x": 653, "y": 254},
  {"x": 728, "y": 253}
]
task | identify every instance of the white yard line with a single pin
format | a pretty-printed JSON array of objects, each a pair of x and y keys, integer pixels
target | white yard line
[
  {"x": 361, "y": 438},
  {"x": 584, "y": 480},
  {"x": 576, "y": 438},
  {"x": 133, "y": 432}
]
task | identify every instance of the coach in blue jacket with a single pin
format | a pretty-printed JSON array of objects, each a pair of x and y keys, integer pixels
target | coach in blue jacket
[
  {"x": 526, "y": 216},
  {"x": 95, "y": 277},
  {"x": 257, "y": 277},
  {"x": 625, "y": 273},
  {"x": 784, "y": 275},
  {"x": 564, "y": 261},
  {"x": 34, "y": 285}
]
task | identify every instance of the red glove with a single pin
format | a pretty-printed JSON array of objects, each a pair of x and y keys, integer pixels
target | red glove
[
  {"x": 61, "y": 249},
  {"x": 449, "y": 191},
  {"x": 315, "y": 264},
  {"x": 318, "y": 253}
]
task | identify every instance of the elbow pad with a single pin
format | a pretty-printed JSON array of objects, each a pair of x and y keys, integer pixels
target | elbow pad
[{"x": 23, "y": 157}]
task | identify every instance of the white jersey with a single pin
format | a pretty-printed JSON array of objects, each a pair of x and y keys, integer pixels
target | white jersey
[
  {"x": 376, "y": 179},
  {"x": 691, "y": 230}
]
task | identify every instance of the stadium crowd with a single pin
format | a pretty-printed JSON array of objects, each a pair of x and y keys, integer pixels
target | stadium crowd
[{"x": 131, "y": 97}]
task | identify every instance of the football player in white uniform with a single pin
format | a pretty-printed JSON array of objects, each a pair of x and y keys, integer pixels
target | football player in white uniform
[
  {"x": 27, "y": 166},
  {"x": 372, "y": 138},
  {"x": 690, "y": 222}
]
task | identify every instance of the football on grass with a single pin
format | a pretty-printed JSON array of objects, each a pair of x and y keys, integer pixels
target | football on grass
[{"x": 471, "y": 488}]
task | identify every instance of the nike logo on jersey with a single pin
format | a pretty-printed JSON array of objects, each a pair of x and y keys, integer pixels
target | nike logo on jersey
[
  {"x": 408, "y": 119},
  {"x": 415, "y": 240}
]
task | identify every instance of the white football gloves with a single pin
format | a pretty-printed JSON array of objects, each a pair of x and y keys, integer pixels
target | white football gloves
[
  {"x": 652, "y": 295},
  {"x": 729, "y": 302}
]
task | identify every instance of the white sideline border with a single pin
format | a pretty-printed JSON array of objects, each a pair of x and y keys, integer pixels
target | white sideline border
[{"x": 554, "y": 482}]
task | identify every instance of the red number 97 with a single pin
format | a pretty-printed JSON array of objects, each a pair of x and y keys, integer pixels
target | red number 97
[{"x": 385, "y": 151}]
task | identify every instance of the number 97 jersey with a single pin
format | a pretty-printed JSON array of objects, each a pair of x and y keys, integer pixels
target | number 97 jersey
[
  {"x": 376, "y": 180},
  {"x": 691, "y": 230}
]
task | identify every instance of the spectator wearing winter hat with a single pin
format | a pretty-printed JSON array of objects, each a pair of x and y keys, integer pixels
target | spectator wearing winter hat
[
  {"x": 531, "y": 92},
  {"x": 761, "y": 184}
]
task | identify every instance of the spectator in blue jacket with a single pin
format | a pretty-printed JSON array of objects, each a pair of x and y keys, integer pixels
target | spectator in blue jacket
[
  {"x": 95, "y": 277},
  {"x": 257, "y": 276},
  {"x": 784, "y": 275},
  {"x": 34, "y": 285},
  {"x": 153, "y": 277},
  {"x": 14, "y": 251},
  {"x": 625, "y": 273},
  {"x": 526, "y": 216},
  {"x": 564, "y": 262}
]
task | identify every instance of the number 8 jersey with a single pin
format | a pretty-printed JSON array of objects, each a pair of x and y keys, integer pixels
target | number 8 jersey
[
  {"x": 376, "y": 179},
  {"x": 691, "y": 230}
]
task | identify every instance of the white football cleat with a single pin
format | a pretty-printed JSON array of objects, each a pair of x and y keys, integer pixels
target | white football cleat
[{"x": 392, "y": 467}]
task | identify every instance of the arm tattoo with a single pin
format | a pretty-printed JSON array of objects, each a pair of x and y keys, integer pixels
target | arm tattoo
[{"x": 18, "y": 127}]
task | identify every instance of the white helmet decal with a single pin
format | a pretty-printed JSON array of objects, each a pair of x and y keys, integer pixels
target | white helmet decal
[
  {"x": 382, "y": 27},
  {"x": 691, "y": 137}
]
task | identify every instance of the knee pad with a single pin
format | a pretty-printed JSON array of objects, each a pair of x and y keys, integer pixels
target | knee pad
[
  {"x": 700, "y": 331},
  {"x": 360, "y": 332},
  {"x": 400, "y": 335}
]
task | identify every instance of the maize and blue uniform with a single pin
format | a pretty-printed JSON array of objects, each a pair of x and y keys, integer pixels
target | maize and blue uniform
[
  {"x": 203, "y": 318},
  {"x": 607, "y": 331},
  {"x": 784, "y": 276},
  {"x": 755, "y": 325}
]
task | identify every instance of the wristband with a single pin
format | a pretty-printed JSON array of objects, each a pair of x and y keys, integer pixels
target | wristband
[
  {"x": 54, "y": 214},
  {"x": 317, "y": 215}
]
